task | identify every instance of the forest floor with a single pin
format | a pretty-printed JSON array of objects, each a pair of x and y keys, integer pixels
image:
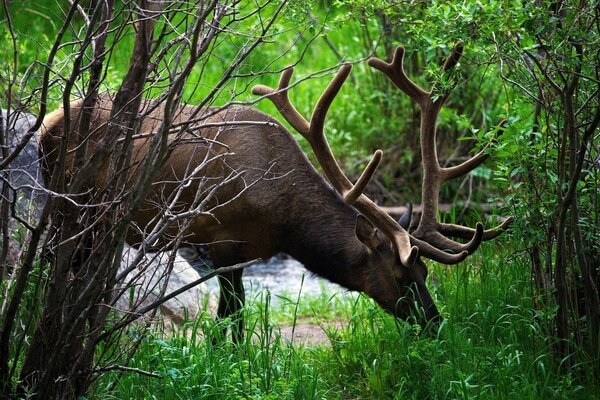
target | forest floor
[{"x": 308, "y": 333}]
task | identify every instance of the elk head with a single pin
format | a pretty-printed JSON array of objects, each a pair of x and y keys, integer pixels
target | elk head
[{"x": 396, "y": 275}]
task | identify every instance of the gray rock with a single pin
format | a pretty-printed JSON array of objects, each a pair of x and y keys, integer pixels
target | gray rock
[
  {"x": 23, "y": 176},
  {"x": 25, "y": 173},
  {"x": 148, "y": 279}
]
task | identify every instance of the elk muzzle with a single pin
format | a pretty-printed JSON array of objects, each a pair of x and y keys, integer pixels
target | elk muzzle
[
  {"x": 404, "y": 294},
  {"x": 416, "y": 304}
]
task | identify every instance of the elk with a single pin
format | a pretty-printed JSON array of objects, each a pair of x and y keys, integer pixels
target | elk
[{"x": 330, "y": 226}]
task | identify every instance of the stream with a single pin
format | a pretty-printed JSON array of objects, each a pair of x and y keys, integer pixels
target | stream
[{"x": 281, "y": 275}]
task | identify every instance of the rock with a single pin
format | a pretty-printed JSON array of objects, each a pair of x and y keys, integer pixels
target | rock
[
  {"x": 23, "y": 175},
  {"x": 147, "y": 285}
]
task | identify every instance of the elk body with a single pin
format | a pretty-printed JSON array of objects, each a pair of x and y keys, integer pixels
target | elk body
[{"x": 266, "y": 197}]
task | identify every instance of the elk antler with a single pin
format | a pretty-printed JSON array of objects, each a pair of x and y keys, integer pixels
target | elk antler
[
  {"x": 407, "y": 247},
  {"x": 429, "y": 229}
]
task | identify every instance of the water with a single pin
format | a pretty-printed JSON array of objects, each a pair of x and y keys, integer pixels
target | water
[
  {"x": 280, "y": 275},
  {"x": 287, "y": 277}
]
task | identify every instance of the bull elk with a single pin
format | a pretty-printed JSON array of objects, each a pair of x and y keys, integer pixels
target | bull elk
[{"x": 332, "y": 228}]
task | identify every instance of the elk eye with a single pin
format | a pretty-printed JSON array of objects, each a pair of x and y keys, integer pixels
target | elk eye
[{"x": 398, "y": 274}]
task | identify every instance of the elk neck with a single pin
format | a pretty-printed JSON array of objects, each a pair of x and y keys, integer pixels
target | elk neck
[{"x": 321, "y": 235}]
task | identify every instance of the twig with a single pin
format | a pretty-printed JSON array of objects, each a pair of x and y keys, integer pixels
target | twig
[{"x": 123, "y": 368}]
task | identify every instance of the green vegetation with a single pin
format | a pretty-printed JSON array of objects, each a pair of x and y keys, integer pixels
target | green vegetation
[{"x": 491, "y": 346}]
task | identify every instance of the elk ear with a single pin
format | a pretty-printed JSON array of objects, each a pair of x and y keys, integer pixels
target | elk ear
[
  {"x": 405, "y": 218},
  {"x": 366, "y": 233}
]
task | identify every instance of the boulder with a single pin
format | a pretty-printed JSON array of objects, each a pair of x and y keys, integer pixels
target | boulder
[
  {"x": 23, "y": 175},
  {"x": 147, "y": 281}
]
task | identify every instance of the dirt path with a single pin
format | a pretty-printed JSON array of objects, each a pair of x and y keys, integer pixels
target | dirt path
[{"x": 308, "y": 333}]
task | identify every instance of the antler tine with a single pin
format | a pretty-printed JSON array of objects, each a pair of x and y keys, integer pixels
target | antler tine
[
  {"x": 317, "y": 120},
  {"x": 395, "y": 72},
  {"x": 407, "y": 253},
  {"x": 318, "y": 142},
  {"x": 359, "y": 187},
  {"x": 450, "y": 63},
  {"x": 464, "y": 232},
  {"x": 279, "y": 97},
  {"x": 433, "y": 253},
  {"x": 473, "y": 162},
  {"x": 436, "y": 238},
  {"x": 464, "y": 167},
  {"x": 454, "y": 57},
  {"x": 494, "y": 232}
]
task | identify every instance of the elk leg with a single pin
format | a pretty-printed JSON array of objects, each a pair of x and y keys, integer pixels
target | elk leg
[{"x": 231, "y": 298}]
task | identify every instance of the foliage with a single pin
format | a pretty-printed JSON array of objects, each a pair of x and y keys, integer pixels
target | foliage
[{"x": 550, "y": 158}]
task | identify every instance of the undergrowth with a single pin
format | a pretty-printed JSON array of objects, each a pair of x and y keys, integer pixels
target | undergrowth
[{"x": 492, "y": 345}]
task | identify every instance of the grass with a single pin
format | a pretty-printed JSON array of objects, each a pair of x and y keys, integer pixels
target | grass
[{"x": 491, "y": 346}]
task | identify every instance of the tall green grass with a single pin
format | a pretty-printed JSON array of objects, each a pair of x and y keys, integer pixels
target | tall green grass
[{"x": 492, "y": 345}]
